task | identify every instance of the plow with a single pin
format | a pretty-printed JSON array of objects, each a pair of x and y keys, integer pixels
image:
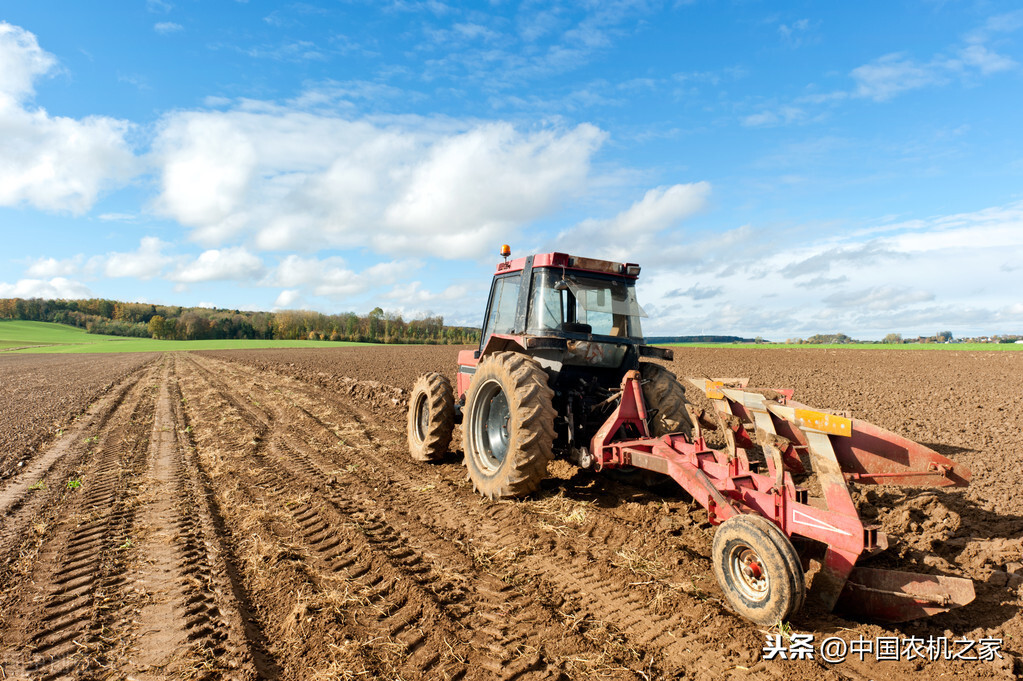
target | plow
[
  {"x": 562, "y": 371},
  {"x": 793, "y": 440}
]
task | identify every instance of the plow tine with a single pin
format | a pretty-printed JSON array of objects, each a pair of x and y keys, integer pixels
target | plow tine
[{"x": 894, "y": 596}]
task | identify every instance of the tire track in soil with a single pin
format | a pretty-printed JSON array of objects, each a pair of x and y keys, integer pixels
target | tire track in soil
[
  {"x": 66, "y": 612},
  {"x": 24, "y": 501},
  {"x": 586, "y": 568},
  {"x": 490, "y": 627},
  {"x": 387, "y": 602},
  {"x": 184, "y": 627},
  {"x": 497, "y": 528}
]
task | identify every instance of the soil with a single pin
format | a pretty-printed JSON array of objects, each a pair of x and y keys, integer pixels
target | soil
[
  {"x": 42, "y": 394},
  {"x": 256, "y": 515}
]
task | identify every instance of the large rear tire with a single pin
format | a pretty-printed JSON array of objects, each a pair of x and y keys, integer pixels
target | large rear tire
[
  {"x": 666, "y": 398},
  {"x": 758, "y": 570},
  {"x": 508, "y": 426},
  {"x": 431, "y": 417}
]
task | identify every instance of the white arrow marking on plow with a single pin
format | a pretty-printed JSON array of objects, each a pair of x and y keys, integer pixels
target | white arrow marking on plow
[{"x": 803, "y": 519}]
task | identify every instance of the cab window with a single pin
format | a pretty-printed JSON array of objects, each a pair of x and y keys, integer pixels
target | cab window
[{"x": 504, "y": 302}]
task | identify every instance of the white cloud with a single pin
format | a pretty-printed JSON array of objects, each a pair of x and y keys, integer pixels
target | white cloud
[
  {"x": 145, "y": 263},
  {"x": 117, "y": 217},
  {"x": 779, "y": 116},
  {"x": 414, "y": 294},
  {"x": 159, "y": 6},
  {"x": 985, "y": 60},
  {"x": 51, "y": 162},
  {"x": 883, "y": 298},
  {"x": 23, "y": 61},
  {"x": 896, "y": 73},
  {"x": 799, "y": 32},
  {"x": 51, "y": 267},
  {"x": 892, "y": 74},
  {"x": 636, "y": 231},
  {"x": 57, "y": 287},
  {"x": 288, "y": 299},
  {"x": 290, "y": 179},
  {"x": 220, "y": 265},
  {"x": 165, "y": 27},
  {"x": 914, "y": 277},
  {"x": 329, "y": 277}
]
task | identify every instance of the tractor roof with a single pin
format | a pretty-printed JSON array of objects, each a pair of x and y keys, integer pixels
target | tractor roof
[{"x": 629, "y": 270}]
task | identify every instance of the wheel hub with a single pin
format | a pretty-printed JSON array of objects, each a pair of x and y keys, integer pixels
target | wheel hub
[
  {"x": 491, "y": 418},
  {"x": 748, "y": 569},
  {"x": 422, "y": 418}
]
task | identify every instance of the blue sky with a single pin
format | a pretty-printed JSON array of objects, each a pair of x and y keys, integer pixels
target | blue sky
[{"x": 779, "y": 169}]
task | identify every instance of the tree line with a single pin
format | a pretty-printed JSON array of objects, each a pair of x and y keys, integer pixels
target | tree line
[{"x": 142, "y": 320}]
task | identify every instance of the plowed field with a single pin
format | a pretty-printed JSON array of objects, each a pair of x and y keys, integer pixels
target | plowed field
[{"x": 256, "y": 515}]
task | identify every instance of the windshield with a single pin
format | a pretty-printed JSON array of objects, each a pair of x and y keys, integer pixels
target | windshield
[{"x": 584, "y": 304}]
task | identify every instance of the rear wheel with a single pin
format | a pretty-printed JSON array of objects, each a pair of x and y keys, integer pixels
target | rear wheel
[
  {"x": 666, "y": 398},
  {"x": 758, "y": 570},
  {"x": 431, "y": 417},
  {"x": 508, "y": 426}
]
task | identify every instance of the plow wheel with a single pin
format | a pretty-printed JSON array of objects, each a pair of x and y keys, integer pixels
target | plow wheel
[
  {"x": 431, "y": 417},
  {"x": 758, "y": 570},
  {"x": 662, "y": 392},
  {"x": 508, "y": 426}
]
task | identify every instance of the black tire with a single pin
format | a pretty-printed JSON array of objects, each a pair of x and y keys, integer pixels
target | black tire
[
  {"x": 790, "y": 555},
  {"x": 508, "y": 426},
  {"x": 431, "y": 417},
  {"x": 666, "y": 398},
  {"x": 753, "y": 562}
]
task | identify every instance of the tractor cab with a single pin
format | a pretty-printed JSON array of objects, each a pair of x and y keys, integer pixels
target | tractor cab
[
  {"x": 564, "y": 311},
  {"x": 552, "y": 301}
]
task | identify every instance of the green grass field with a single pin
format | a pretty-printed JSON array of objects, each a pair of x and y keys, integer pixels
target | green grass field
[
  {"x": 44, "y": 337},
  {"x": 854, "y": 346}
]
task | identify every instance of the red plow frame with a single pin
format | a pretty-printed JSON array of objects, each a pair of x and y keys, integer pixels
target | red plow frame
[{"x": 838, "y": 449}]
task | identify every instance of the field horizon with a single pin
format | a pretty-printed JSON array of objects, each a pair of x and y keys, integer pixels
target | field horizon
[{"x": 31, "y": 337}]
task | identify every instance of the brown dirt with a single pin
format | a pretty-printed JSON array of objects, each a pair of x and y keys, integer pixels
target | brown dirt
[
  {"x": 257, "y": 515},
  {"x": 42, "y": 394}
]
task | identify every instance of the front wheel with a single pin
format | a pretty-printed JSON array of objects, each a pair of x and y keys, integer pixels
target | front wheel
[
  {"x": 508, "y": 426},
  {"x": 758, "y": 570},
  {"x": 431, "y": 417},
  {"x": 666, "y": 399}
]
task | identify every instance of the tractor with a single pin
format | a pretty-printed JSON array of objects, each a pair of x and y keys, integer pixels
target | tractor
[{"x": 562, "y": 371}]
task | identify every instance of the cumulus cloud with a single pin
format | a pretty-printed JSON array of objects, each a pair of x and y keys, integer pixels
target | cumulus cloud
[
  {"x": 636, "y": 230},
  {"x": 288, "y": 299},
  {"x": 51, "y": 267},
  {"x": 55, "y": 288},
  {"x": 331, "y": 278},
  {"x": 52, "y": 162},
  {"x": 220, "y": 265},
  {"x": 145, "y": 263},
  {"x": 291, "y": 179}
]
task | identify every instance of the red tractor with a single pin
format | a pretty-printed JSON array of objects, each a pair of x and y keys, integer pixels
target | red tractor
[{"x": 561, "y": 371}]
